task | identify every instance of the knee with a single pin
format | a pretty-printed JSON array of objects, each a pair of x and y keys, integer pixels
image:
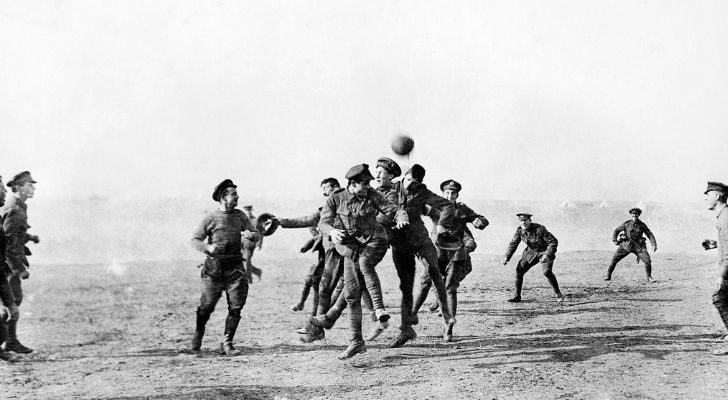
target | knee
[
  {"x": 205, "y": 309},
  {"x": 719, "y": 299},
  {"x": 234, "y": 311}
]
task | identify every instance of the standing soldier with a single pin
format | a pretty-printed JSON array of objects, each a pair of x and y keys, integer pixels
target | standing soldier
[
  {"x": 249, "y": 248},
  {"x": 715, "y": 199},
  {"x": 454, "y": 264},
  {"x": 362, "y": 242},
  {"x": 8, "y": 308},
  {"x": 540, "y": 248},
  {"x": 15, "y": 225},
  {"x": 219, "y": 236},
  {"x": 634, "y": 242},
  {"x": 413, "y": 196}
]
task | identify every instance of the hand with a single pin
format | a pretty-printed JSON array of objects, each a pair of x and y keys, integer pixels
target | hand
[
  {"x": 478, "y": 223},
  {"x": 709, "y": 244},
  {"x": 211, "y": 248},
  {"x": 33, "y": 238},
  {"x": 544, "y": 258},
  {"x": 248, "y": 235},
  {"x": 504, "y": 261},
  {"x": 303, "y": 249},
  {"x": 337, "y": 236},
  {"x": 654, "y": 248},
  {"x": 24, "y": 274},
  {"x": 401, "y": 224},
  {"x": 5, "y": 315},
  {"x": 616, "y": 243}
]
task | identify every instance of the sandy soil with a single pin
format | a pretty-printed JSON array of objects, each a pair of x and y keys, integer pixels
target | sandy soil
[{"x": 113, "y": 332}]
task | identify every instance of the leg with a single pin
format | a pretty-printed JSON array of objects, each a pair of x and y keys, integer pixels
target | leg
[
  {"x": 452, "y": 282},
  {"x": 720, "y": 301},
  {"x": 547, "y": 268},
  {"x": 428, "y": 257},
  {"x": 424, "y": 290},
  {"x": 619, "y": 254},
  {"x": 352, "y": 293},
  {"x": 237, "y": 295},
  {"x": 404, "y": 262},
  {"x": 370, "y": 256},
  {"x": 211, "y": 293},
  {"x": 643, "y": 255},
  {"x": 329, "y": 280},
  {"x": 12, "y": 343},
  {"x": 521, "y": 269}
]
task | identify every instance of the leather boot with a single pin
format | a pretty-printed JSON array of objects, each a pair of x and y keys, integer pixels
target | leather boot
[
  {"x": 231, "y": 325},
  {"x": 200, "y": 323},
  {"x": 12, "y": 343}
]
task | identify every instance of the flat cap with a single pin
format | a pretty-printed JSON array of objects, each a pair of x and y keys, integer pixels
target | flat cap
[
  {"x": 417, "y": 171},
  {"x": 267, "y": 224},
  {"x": 359, "y": 172},
  {"x": 635, "y": 210},
  {"x": 716, "y": 186},
  {"x": 524, "y": 215},
  {"x": 451, "y": 184},
  {"x": 227, "y": 183},
  {"x": 390, "y": 165},
  {"x": 21, "y": 178}
]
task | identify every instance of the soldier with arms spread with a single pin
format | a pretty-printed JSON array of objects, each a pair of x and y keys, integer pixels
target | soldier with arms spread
[{"x": 634, "y": 230}]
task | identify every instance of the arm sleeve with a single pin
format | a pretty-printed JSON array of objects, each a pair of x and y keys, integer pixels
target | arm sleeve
[
  {"x": 328, "y": 213},
  {"x": 16, "y": 237},
  {"x": 471, "y": 216},
  {"x": 199, "y": 236},
  {"x": 650, "y": 236},
  {"x": 392, "y": 197},
  {"x": 723, "y": 246},
  {"x": 513, "y": 244},
  {"x": 248, "y": 226},
  {"x": 551, "y": 243},
  {"x": 447, "y": 209},
  {"x": 390, "y": 209},
  {"x": 301, "y": 222},
  {"x": 620, "y": 228}
]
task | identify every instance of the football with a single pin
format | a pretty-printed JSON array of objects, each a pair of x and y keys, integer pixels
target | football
[{"x": 402, "y": 144}]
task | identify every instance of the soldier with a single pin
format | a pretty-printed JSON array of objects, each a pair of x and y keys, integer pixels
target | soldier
[
  {"x": 540, "y": 248},
  {"x": 634, "y": 230},
  {"x": 413, "y": 196},
  {"x": 454, "y": 264},
  {"x": 8, "y": 308},
  {"x": 249, "y": 248},
  {"x": 15, "y": 225},
  {"x": 715, "y": 199},
  {"x": 363, "y": 243},
  {"x": 219, "y": 236}
]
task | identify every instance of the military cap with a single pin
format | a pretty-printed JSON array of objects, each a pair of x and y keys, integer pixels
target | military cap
[
  {"x": 359, "y": 172},
  {"x": 247, "y": 207},
  {"x": 227, "y": 183},
  {"x": 717, "y": 186},
  {"x": 417, "y": 172},
  {"x": 524, "y": 215},
  {"x": 267, "y": 224},
  {"x": 21, "y": 178},
  {"x": 390, "y": 165},
  {"x": 451, "y": 184},
  {"x": 635, "y": 210}
]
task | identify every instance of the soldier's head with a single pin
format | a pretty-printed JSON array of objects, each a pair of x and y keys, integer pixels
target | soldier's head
[
  {"x": 226, "y": 193},
  {"x": 359, "y": 179},
  {"x": 328, "y": 186},
  {"x": 413, "y": 177},
  {"x": 2, "y": 192},
  {"x": 451, "y": 190},
  {"x": 635, "y": 213},
  {"x": 23, "y": 184},
  {"x": 715, "y": 195},
  {"x": 524, "y": 220},
  {"x": 386, "y": 170}
]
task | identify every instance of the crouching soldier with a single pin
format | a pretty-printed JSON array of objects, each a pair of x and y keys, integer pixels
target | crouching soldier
[
  {"x": 219, "y": 236},
  {"x": 633, "y": 234}
]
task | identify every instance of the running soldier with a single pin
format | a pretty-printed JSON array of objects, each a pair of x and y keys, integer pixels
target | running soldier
[
  {"x": 362, "y": 242},
  {"x": 454, "y": 264},
  {"x": 715, "y": 200},
  {"x": 634, "y": 231},
  {"x": 540, "y": 248},
  {"x": 15, "y": 225},
  {"x": 219, "y": 236}
]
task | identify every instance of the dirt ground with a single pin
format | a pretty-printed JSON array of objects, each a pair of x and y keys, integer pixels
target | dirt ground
[{"x": 113, "y": 332}]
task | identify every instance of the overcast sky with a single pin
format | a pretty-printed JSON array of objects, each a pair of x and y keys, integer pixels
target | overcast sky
[{"x": 516, "y": 99}]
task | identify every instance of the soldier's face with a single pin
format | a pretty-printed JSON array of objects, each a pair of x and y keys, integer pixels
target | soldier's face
[
  {"x": 382, "y": 176},
  {"x": 360, "y": 188},
  {"x": 327, "y": 189},
  {"x": 635, "y": 216},
  {"x": 27, "y": 189},
  {"x": 525, "y": 223},
  {"x": 409, "y": 182},
  {"x": 711, "y": 199},
  {"x": 2, "y": 193},
  {"x": 230, "y": 197},
  {"x": 451, "y": 195}
]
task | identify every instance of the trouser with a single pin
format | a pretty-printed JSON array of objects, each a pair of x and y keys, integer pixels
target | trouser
[
  {"x": 7, "y": 300},
  {"x": 10, "y": 330},
  {"x": 524, "y": 265},
  {"x": 404, "y": 262},
  {"x": 330, "y": 280},
  {"x": 720, "y": 301},
  {"x": 639, "y": 250},
  {"x": 234, "y": 283},
  {"x": 312, "y": 281},
  {"x": 459, "y": 272}
]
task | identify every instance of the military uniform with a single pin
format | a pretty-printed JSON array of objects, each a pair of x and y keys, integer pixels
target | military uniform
[
  {"x": 540, "y": 248},
  {"x": 222, "y": 270},
  {"x": 364, "y": 246},
  {"x": 635, "y": 231},
  {"x": 7, "y": 299},
  {"x": 720, "y": 296}
]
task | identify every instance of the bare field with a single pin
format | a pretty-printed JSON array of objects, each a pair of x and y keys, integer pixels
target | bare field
[{"x": 114, "y": 331}]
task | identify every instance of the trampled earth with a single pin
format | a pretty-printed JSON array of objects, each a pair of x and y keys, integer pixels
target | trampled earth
[{"x": 114, "y": 332}]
